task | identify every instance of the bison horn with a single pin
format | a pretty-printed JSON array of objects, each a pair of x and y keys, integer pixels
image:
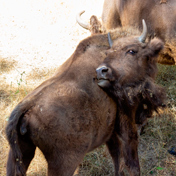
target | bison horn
[
  {"x": 143, "y": 36},
  {"x": 80, "y": 21},
  {"x": 110, "y": 40}
]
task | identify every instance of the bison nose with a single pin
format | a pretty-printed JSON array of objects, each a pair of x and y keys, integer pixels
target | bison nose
[{"x": 102, "y": 72}]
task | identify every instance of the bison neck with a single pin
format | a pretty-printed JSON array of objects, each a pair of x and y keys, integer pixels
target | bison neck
[{"x": 139, "y": 100}]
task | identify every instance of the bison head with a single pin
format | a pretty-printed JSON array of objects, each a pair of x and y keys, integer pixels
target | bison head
[
  {"x": 128, "y": 73},
  {"x": 129, "y": 60}
]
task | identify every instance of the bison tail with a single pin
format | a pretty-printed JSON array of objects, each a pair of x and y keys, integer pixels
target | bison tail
[{"x": 13, "y": 137}]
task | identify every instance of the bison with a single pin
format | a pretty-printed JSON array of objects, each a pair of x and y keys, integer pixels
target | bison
[
  {"x": 123, "y": 77},
  {"x": 160, "y": 17},
  {"x": 70, "y": 114}
]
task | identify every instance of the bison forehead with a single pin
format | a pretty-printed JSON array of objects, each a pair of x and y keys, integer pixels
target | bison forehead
[{"x": 123, "y": 43}]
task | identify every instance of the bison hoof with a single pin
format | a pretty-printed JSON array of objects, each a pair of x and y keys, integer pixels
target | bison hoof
[{"x": 172, "y": 151}]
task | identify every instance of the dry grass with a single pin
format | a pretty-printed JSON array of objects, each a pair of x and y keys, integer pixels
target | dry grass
[
  {"x": 25, "y": 63},
  {"x": 6, "y": 64},
  {"x": 158, "y": 137}
]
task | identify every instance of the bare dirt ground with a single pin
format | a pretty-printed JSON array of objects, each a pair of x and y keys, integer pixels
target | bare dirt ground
[
  {"x": 40, "y": 35},
  {"x": 36, "y": 36}
]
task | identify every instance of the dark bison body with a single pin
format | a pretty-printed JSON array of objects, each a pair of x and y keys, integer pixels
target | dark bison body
[
  {"x": 69, "y": 114},
  {"x": 160, "y": 17}
]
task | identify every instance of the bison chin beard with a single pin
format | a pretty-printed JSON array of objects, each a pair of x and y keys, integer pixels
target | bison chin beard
[{"x": 146, "y": 97}]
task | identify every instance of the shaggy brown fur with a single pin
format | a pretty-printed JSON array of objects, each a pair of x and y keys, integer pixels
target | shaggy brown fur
[
  {"x": 69, "y": 114},
  {"x": 160, "y": 18},
  {"x": 127, "y": 75}
]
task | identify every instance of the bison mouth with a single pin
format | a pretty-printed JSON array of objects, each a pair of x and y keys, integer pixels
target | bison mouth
[
  {"x": 103, "y": 76},
  {"x": 104, "y": 83}
]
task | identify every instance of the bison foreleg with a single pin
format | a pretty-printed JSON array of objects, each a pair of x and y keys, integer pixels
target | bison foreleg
[
  {"x": 131, "y": 158},
  {"x": 115, "y": 149},
  {"x": 129, "y": 137},
  {"x": 123, "y": 146}
]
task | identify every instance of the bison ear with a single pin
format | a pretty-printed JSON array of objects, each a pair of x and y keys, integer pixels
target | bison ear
[{"x": 156, "y": 45}]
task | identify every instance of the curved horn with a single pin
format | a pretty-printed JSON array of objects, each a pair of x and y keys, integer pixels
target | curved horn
[
  {"x": 110, "y": 40},
  {"x": 80, "y": 21},
  {"x": 143, "y": 36}
]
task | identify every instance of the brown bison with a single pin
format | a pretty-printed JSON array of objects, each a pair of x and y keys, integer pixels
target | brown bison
[
  {"x": 123, "y": 77},
  {"x": 69, "y": 114},
  {"x": 160, "y": 17}
]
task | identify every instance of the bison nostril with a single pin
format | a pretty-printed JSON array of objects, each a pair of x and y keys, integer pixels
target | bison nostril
[
  {"x": 104, "y": 70},
  {"x": 101, "y": 71}
]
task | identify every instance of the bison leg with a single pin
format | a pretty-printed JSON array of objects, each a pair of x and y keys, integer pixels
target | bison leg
[
  {"x": 63, "y": 163},
  {"x": 27, "y": 150},
  {"x": 129, "y": 137},
  {"x": 131, "y": 157},
  {"x": 114, "y": 145},
  {"x": 123, "y": 146}
]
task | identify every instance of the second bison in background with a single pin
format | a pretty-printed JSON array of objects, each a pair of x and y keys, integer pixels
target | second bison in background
[
  {"x": 159, "y": 15},
  {"x": 160, "y": 19}
]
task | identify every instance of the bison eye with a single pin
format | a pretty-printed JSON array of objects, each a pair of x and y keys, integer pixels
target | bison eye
[{"x": 132, "y": 52}]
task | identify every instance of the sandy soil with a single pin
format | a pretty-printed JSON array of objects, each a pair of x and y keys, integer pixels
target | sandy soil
[{"x": 41, "y": 35}]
